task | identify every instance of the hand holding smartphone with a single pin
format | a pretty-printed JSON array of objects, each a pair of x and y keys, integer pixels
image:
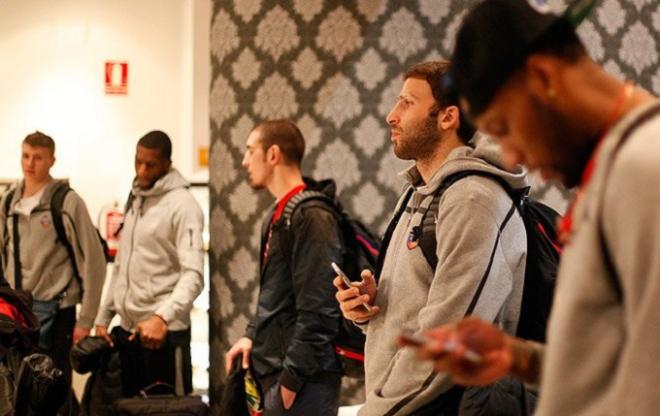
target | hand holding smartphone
[
  {"x": 347, "y": 281},
  {"x": 418, "y": 340}
]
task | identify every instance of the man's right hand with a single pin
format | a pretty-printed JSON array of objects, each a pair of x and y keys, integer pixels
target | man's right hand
[
  {"x": 501, "y": 354},
  {"x": 352, "y": 299},
  {"x": 242, "y": 346},
  {"x": 102, "y": 331}
]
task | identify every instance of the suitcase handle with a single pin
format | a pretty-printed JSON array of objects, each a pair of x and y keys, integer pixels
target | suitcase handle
[{"x": 160, "y": 387}]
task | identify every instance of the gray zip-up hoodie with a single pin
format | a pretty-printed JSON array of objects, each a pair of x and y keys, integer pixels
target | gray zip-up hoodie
[
  {"x": 411, "y": 296},
  {"x": 46, "y": 267},
  {"x": 159, "y": 264}
]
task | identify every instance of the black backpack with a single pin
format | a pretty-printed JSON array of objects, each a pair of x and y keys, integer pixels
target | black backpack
[
  {"x": 34, "y": 386},
  {"x": 56, "y": 204},
  {"x": 41, "y": 388},
  {"x": 543, "y": 252},
  {"x": 361, "y": 252}
]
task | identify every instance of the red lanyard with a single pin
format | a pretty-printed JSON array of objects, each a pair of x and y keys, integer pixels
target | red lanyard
[{"x": 566, "y": 222}]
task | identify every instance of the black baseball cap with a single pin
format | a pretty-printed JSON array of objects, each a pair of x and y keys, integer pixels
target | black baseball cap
[{"x": 494, "y": 41}]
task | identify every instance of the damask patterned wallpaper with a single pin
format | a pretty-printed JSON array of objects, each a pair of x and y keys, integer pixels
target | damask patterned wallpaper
[{"x": 335, "y": 67}]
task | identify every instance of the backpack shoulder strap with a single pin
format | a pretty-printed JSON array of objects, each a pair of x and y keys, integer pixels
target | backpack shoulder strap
[
  {"x": 429, "y": 245},
  {"x": 613, "y": 275},
  {"x": 305, "y": 196},
  {"x": 56, "y": 204},
  {"x": 127, "y": 206},
  {"x": 9, "y": 196},
  {"x": 308, "y": 197},
  {"x": 427, "y": 241},
  {"x": 390, "y": 230},
  {"x": 514, "y": 193},
  {"x": 18, "y": 273}
]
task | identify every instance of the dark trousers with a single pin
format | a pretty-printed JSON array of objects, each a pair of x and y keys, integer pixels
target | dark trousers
[
  {"x": 65, "y": 321},
  {"x": 318, "y": 399},
  {"x": 141, "y": 367},
  {"x": 447, "y": 404}
]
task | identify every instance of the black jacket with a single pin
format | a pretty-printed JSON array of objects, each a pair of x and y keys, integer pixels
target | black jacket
[{"x": 297, "y": 315}]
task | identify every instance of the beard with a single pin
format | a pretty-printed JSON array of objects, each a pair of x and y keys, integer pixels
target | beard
[
  {"x": 569, "y": 151},
  {"x": 574, "y": 168},
  {"x": 418, "y": 141}
]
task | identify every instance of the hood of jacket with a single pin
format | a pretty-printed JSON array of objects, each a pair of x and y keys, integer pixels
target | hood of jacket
[
  {"x": 485, "y": 156},
  {"x": 44, "y": 201},
  {"x": 170, "y": 181},
  {"x": 327, "y": 186}
]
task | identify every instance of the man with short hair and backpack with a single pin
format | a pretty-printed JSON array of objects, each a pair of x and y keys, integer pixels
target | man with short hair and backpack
[
  {"x": 290, "y": 342},
  {"x": 456, "y": 247},
  {"x": 59, "y": 271}
]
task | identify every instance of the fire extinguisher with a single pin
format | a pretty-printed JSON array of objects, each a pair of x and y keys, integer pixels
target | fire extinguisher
[{"x": 110, "y": 221}]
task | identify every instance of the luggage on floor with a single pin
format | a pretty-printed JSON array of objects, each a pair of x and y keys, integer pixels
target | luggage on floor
[{"x": 159, "y": 399}]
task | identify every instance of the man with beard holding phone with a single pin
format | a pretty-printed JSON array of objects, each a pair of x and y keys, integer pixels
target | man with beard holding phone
[{"x": 479, "y": 257}]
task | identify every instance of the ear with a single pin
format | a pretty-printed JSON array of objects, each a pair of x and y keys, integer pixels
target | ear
[
  {"x": 448, "y": 119},
  {"x": 542, "y": 78},
  {"x": 274, "y": 155}
]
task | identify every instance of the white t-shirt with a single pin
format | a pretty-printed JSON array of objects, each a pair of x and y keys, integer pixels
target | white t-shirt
[{"x": 26, "y": 204}]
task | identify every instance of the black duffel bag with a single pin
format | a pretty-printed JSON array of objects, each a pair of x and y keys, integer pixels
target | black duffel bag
[{"x": 159, "y": 399}]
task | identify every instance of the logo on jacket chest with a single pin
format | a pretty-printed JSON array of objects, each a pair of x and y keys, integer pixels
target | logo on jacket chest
[
  {"x": 413, "y": 238},
  {"x": 45, "y": 221}
]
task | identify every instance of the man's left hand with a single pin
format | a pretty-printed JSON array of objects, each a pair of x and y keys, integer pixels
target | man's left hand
[
  {"x": 80, "y": 333},
  {"x": 153, "y": 332},
  {"x": 288, "y": 397}
]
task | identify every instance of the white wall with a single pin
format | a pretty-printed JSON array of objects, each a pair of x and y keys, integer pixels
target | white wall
[{"x": 51, "y": 79}]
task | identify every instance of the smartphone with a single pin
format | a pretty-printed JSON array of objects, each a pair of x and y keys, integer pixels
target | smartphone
[
  {"x": 470, "y": 355},
  {"x": 347, "y": 281},
  {"x": 341, "y": 274},
  {"x": 417, "y": 340},
  {"x": 411, "y": 338}
]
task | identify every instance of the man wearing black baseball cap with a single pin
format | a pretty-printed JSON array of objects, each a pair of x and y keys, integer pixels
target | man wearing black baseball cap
[{"x": 524, "y": 77}]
